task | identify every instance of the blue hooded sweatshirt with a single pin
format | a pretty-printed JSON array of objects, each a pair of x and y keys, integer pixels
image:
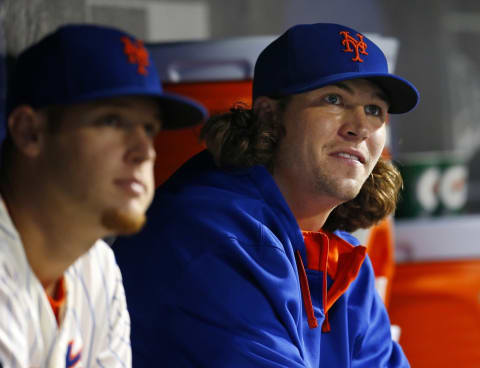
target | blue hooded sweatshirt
[{"x": 222, "y": 276}]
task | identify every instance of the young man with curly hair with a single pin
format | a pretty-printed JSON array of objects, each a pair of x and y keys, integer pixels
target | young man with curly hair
[{"x": 246, "y": 262}]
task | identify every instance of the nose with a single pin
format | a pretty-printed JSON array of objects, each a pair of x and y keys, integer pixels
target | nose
[
  {"x": 356, "y": 126},
  {"x": 140, "y": 146}
]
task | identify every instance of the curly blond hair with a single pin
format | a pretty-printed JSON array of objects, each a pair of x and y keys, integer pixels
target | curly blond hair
[{"x": 240, "y": 138}]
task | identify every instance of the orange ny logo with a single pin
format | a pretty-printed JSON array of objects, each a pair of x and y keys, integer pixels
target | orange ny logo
[
  {"x": 137, "y": 54},
  {"x": 359, "y": 45}
]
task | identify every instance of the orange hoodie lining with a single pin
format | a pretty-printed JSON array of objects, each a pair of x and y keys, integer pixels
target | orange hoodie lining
[
  {"x": 331, "y": 255},
  {"x": 350, "y": 265},
  {"x": 58, "y": 300}
]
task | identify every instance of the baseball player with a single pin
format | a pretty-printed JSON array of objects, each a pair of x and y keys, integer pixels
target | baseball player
[
  {"x": 84, "y": 106},
  {"x": 242, "y": 262}
]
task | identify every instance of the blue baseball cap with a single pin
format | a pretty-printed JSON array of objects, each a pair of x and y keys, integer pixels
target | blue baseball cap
[
  {"x": 310, "y": 56},
  {"x": 81, "y": 63}
]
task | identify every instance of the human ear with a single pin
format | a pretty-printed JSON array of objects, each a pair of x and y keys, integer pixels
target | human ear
[{"x": 26, "y": 128}]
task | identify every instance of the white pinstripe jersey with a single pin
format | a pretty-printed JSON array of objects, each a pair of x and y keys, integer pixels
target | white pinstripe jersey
[{"x": 95, "y": 330}]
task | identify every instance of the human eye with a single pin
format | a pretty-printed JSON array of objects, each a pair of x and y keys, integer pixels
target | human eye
[
  {"x": 333, "y": 99},
  {"x": 111, "y": 120},
  {"x": 152, "y": 129},
  {"x": 374, "y": 110}
]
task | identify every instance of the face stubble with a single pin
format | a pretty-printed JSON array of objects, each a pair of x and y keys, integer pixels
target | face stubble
[{"x": 121, "y": 222}]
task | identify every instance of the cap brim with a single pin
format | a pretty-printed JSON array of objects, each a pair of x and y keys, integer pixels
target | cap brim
[
  {"x": 402, "y": 95},
  {"x": 181, "y": 112},
  {"x": 177, "y": 111}
]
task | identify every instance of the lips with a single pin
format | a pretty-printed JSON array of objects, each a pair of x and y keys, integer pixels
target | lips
[
  {"x": 132, "y": 186},
  {"x": 350, "y": 154}
]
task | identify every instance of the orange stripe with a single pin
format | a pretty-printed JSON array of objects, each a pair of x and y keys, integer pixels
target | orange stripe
[
  {"x": 307, "y": 299},
  {"x": 58, "y": 300}
]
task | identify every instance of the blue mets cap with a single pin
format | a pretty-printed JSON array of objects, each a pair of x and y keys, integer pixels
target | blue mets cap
[
  {"x": 310, "y": 56},
  {"x": 81, "y": 63}
]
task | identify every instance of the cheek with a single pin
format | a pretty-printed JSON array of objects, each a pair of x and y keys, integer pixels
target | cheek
[
  {"x": 149, "y": 176},
  {"x": 99, "y": 161},
  {"x": 377, "y": 142}
]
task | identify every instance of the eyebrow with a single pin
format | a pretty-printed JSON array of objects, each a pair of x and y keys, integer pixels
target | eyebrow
[
  {"x": 381, "y": 95},
  {"x": 116, "y": 103}
]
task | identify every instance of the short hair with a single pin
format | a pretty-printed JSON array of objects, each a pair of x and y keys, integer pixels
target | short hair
[{"x": 242, "y": 138}]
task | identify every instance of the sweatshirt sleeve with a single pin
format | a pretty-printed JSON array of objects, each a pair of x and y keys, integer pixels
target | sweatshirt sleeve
[
  {"x": 374, "y": 346},
  {"x": 237, "y": 308}
]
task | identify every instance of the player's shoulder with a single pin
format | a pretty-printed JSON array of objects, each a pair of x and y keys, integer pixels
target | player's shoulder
[
  {"x": 19, "y": 287},
  {"x": 95, "y": 276},
  {"x": 15, "y": 271},
  {"x": 99, "y": 258},
  {"x": 11, "y": 248},
  {"x": 96, "y": 270}
]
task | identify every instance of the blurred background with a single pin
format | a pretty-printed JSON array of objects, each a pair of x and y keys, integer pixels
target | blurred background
[{"x": 427, "y": 258}]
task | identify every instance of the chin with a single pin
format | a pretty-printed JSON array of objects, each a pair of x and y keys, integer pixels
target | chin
[
  {"x": 122, "y": 222},
  {"x": 343, "y": 196},
  {"x": 352, "y": 192},
  {"x": 345, "y": 190}
]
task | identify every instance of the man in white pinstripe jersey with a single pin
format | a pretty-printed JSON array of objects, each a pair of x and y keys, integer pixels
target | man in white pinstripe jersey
[{"x": 84, "y": 105}]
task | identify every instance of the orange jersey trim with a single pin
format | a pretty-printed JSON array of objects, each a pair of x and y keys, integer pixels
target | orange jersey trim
[{"x": 58, "y": 300}]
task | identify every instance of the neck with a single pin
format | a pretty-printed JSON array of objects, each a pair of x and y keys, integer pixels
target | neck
[
  {"x": 310, "y": 210},
  {"x": 52, "y": 236},
  {"x": 311, "y": 214}
]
